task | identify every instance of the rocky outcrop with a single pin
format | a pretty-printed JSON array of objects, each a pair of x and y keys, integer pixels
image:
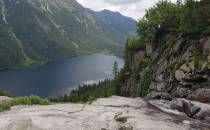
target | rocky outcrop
[
  {"x": 114, "y": 113},
  {"x": 179, "y": 68}
]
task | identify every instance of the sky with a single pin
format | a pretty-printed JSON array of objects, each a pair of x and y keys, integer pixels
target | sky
[{"x": 131, "y": 8}]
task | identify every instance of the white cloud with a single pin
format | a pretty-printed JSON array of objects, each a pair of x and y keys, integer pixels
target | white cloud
[
  {"x": 120, "y": 2},
  {"x": 132, "y": 8}
]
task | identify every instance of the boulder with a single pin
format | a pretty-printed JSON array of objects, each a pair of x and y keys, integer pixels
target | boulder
[
  {"x": 179, "y": 75},
  {"x": 195, "y": 78},
  {"x": 159, "y": 95},
  {"x": 181, "y": 93},
  {"x": 159, "y": 78},
  {"x": 202, "y": 95},
  {"x": 204, "y": 67},
  {"x": 192, "y": 65},
  {"x": 185, "y": 68},
  {"x": 148, "y": 49},
  {"x": 158, "y": 86},
  {"x": 192, "y": 109},
  {"x": 177, "y": 105},
  {"x": 206, "y": 48},
  {"x": 186, "y": 106},
  {"x": 202, "y": 114}
]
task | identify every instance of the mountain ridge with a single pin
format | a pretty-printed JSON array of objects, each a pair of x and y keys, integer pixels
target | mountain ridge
[{"x": 38, "y": 31}]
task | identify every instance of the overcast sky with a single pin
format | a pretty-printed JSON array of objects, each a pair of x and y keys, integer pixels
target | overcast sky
[{"x": 131, "y": 8}]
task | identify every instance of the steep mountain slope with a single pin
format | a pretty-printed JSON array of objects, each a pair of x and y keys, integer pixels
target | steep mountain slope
[
  {"x": 121, "y": 25},
  {"x": 36, "y": 31}
]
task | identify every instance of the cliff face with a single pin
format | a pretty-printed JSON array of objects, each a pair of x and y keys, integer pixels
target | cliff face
[{"x": 179, "y": 66}]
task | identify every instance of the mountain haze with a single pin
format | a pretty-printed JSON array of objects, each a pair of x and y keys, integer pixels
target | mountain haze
[{"x": 37, "y": 31}]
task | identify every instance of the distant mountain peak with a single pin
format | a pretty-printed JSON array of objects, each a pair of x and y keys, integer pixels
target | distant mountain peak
[{"x": 114, "y": 13}]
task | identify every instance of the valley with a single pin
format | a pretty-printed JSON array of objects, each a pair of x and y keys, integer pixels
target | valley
[{"x": 34, "y": 32}]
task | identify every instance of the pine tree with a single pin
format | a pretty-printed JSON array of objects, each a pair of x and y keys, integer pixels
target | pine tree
[{"x": 115, "y": 70}]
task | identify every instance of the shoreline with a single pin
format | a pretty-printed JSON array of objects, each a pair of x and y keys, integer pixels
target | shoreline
[{"x": 37, "y": 64}]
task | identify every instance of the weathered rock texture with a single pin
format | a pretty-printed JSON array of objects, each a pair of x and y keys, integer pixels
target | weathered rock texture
[
  {"x": 104, "y": 114},
  {"x": 183, "y": 107},
  {"x": 179, "y": 68}
]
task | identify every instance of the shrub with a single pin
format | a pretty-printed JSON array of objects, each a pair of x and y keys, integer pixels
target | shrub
[
  {"x": 4, "y": 93},
  {"x": 144, "y": 63},
  {"x": 29, "y": 100},
  {"x": 135, "y": 44},
  {"x": 145, "y": 81}
]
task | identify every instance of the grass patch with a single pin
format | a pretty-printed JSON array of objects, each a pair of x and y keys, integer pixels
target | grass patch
[
  {"x": 28, "y": 100},
  {"x": 122, "y": 119},
  {"x": 4, "y": 93}
]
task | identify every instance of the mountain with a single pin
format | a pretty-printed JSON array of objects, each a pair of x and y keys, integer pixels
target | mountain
[
  {"x": 37, "y": 31},
  {"x": 121, "y": 25},
  {"x": 117, "y": 19}
]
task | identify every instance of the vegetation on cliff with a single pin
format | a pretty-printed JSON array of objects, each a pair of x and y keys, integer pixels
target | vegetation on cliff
[{"x": 164, "y": 29}]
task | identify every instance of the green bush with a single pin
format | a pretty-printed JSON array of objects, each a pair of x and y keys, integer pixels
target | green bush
[
  {"x": 4, "y": 93},
  {"x": 144, "y": 63},
  {"x": 30, "y": 100},
  {"x": 134, "y": 44}
]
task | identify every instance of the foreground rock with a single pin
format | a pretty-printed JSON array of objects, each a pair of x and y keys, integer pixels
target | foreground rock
[
  {"x": 112, "y": 113},
  {"x": 197, "y": 111}
]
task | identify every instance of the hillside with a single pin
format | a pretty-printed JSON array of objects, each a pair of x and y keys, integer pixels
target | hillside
[{"x": 37, "y": 31}]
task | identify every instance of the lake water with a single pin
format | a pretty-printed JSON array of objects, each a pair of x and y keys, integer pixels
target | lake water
[{"x": 59, "y": 77}]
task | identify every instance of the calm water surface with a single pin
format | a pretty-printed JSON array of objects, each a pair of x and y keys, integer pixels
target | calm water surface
[{"x": 59, "y": 77}]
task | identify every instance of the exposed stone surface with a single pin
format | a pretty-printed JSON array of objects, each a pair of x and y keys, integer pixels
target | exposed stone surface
[
  {"x": 202, "y": 95},
  {"x": 100, "y": 115},
  {"x": 4, "y": 98},
  {"x": 206, "y": 47},
  {"x": 183, "y": 107},
  {"x": 181, "y": 69},
  {"x": 179, "y": 75},
  {"x": 191, "y": 109}
]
